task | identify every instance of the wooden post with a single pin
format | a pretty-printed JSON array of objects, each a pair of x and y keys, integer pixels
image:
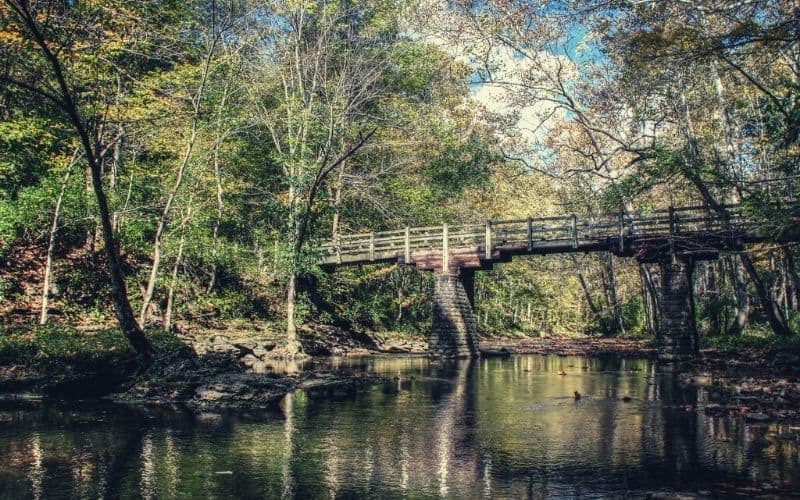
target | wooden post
[
  {"x": 530, "y": 234},
  {"x": 372, "y": 245},
  {"x": 672, "y": 233},
  {"x": 407, "y": 254},
  {"x": 621, "y": 228},
  {"x": 672, "y": 223},
  {"x": 488, "y": 240},
  {"x": 445, "y": 250},
  {"x": 338, "y": 249},
  {"x": 574, "y": 231}
]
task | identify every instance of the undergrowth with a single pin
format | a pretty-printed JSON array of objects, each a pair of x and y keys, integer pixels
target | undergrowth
[
  {"x": 753, "y": 340},
  {"x": 52, "y": 347}
]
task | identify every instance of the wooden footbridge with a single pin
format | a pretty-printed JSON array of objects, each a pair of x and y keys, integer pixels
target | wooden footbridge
[
  {"x": 478, "y": 245},
  {"x": 673, "y": 237}
]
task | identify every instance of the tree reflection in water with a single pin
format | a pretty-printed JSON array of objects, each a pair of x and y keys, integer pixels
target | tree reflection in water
[{"x": 493, "y": 428}]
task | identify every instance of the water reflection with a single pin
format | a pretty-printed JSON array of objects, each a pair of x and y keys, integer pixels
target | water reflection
[
  {"x": 288, "y": 434},
  {"x": 489, "y": 428}
]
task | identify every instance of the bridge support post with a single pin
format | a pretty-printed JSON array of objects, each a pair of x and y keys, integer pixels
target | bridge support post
[
  {"x": 679, "y": 341},
  {"x": 454, "y": 331}
]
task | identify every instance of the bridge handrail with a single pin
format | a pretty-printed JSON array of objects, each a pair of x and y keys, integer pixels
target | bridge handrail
[{"x": 562, "y": 227}]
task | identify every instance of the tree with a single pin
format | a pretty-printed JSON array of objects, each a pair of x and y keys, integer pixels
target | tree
[
  {"x": 44, "y": 34},
  {"x": 314, "y": 104}
]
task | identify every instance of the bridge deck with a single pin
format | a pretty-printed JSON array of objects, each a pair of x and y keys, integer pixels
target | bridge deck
[{"x": 694, "y": 229}]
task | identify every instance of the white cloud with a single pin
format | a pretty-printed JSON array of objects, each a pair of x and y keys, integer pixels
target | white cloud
[{"x": 516, "y": 91}]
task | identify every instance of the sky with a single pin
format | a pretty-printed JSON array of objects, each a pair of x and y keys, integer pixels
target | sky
[{"x": 532, "y": 116}]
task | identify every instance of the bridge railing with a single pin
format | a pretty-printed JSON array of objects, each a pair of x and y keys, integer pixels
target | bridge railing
[{"x": 567, "y": 228}]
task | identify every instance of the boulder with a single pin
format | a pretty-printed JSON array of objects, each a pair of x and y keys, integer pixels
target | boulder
[
  {"x": 245, "y": 347},
  {"x": 220, "y": 339},
  {"x": 259, "y": 352},
  {"x": 259, "y": 367},
  {"x": 249, "y": 360}
]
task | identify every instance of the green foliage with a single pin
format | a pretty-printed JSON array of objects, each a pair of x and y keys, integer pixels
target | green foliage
[
  {"x": 760, "y": 340},
  {"x": 225, "y": 304},
  {"x": 26, "y": 146},
  {"x": 62, "y": 348},
  {"x": 53, "y": 346},
  {"x": 794, "y": 322}
]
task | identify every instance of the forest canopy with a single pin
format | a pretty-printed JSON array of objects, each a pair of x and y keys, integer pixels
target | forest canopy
[{"x": 174, "y": 162}]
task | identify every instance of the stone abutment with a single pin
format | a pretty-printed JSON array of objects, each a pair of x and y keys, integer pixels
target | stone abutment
[{"x": 454, "y": 332}]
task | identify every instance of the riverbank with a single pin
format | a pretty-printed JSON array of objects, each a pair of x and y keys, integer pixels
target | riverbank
[
  {"x": 569, "y": 346},
  {"x": 234, "y": 368},
  {"x": 760, "y": 384},
  {"x": 240, "y": 365}
]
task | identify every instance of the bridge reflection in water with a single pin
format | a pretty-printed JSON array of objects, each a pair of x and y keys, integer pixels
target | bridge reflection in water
[{"x": 490, "y": 427}]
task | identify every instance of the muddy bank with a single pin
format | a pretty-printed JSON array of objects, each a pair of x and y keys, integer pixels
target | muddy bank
[
  {"x": 758, "y": 385},
  {"x": 562, "y": 346},
  {"x": 240, "y": 365},
  {"x": 204, "y": 388},
  {"x": 754, "y": 399}
]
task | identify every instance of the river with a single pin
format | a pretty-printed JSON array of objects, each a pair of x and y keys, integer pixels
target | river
[{"x": 495, "y": 427}]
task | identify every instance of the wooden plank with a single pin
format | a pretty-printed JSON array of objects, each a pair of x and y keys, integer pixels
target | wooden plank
[
  {"x": 487, "y": 249},
  {"x": 530, "y": 234},
  {"x": 574, "y": 231},
  {"x": 445, "y": 250},
  {"x": 672, "y": 220},
  {"x": 372, "y": 246},
  {"x": 407, "y": 246}
]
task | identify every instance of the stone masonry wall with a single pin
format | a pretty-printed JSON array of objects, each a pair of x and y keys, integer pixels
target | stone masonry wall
[
  {"x": 454, "y": 333},
  {"x": 679, "y": 340}
]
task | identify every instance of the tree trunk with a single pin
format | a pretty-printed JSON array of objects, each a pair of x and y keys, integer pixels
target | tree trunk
[
  {"x": 162, "y": 225},
  {"x": 774, "y": 317},
  {"x": 792, "y": 278},
  {"x": 400, "y": 298},
  {"x": 218, "y": 179},
  {"x": 293, "y": 346},
  {"x": 611, "y": 292},
  {"x": 173, "y": 282},
  {"x": 187, "y": 153},
  {"x": 174, "y": 279},
  {"x": 91, "y": 232},
  {"x": 739, "y": 283},
  {"x": 52, "y": 240},
  {"x": 691, "y": 172},
  {"x": 593, "y": 309},
  {"x": 337, "y": 202},
  {"x": 652, "y": 298},
  {"x": 116, "y": 163},
  {"x": 712, "y": 295},
  {"x": 119, "y": 293},
  {"x": 645, "y": 298},
  {"x": 217, "y": 220},
  {"x": 118, "y": 222}
]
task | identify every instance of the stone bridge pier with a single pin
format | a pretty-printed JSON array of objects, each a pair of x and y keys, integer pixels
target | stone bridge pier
[
  {"x": 678, "y": 340},
  {"x": 454, "y": 332}
]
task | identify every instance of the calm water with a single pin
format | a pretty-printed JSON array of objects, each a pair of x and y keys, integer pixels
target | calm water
[{"x": 504, "y": 428}]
